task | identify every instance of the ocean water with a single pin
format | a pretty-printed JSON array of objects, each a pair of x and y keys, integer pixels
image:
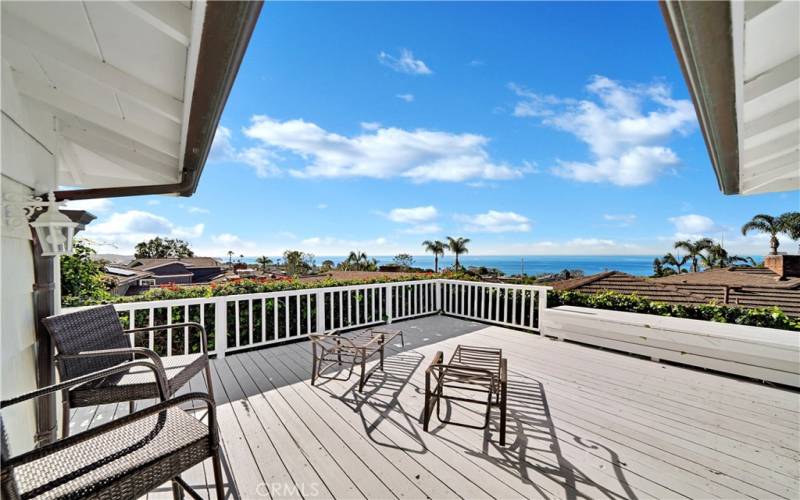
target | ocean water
[{"x": 640, "y": 265}]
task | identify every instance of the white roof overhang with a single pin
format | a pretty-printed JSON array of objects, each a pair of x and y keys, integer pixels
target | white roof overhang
[
  {"x": 122, "y": 94},
  {"x": 741, "y": 61}
]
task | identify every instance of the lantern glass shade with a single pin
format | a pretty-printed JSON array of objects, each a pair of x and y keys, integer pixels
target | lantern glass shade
[{"x": 55, "y": 232}]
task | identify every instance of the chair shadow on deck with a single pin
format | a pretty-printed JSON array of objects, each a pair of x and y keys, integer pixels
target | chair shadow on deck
[
  {"x": 533, "y": 444},
  {"x": 379, "y": 405}
]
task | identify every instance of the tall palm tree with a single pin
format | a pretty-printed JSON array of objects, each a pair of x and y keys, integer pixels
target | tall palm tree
[
  {"x": 715, "y": 256},
  {"x": 458, "y": 246},
  {"x": 264, "y": 261},
  {"x": 230, "y": 257},
  {"x": 790, "y": 224},
  {"x": 678, "y": 262},
  {"x": 694, "y": 249},
  {"x": 763, "y": 223},
  {"x": 437, "y": 248}
]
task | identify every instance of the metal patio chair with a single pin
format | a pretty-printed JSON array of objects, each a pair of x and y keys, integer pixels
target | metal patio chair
[
  {"x": 482, "y": 370},
  {"x": 93, "y": 339},
  {"x": 124, "y": 458},
  {"x": 334, "y": 348}
]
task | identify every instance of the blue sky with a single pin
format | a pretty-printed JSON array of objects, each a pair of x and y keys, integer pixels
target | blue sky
[{"x": 531, "y": 128}]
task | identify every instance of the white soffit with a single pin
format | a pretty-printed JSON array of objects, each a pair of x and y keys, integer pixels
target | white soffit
[
  {"x": 766, "y": 37},
  {"x": 104, "y": 85}
]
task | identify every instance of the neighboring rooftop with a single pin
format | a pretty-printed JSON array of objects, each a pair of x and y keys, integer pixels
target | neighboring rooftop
[
  {"x": 744, "y": 287},
  {"x": 146, "y": 264}
]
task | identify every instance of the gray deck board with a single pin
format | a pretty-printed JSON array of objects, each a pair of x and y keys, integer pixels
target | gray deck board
[{"x": 583, "y": 423}]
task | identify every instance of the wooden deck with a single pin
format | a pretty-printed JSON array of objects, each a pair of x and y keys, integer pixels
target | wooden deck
[{"x": 582, "y": 423}]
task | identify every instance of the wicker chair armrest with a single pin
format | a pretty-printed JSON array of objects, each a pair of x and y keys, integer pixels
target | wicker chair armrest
[
  {"x": 455, "y": 366},
  {"x": 117, "y": 423},
  {"x": 135, "y": 351},
  {"x": 190, "y": 324},
  {"x": 123, "y": 367}
]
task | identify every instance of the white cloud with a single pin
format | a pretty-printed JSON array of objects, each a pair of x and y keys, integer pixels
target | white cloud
[
  {"x": 495, "y": 221},
  {"x": 574, "y": 246},
  {"x": 405, "y": 63},
  {"x": 476, "y": 63},
  {"x": 122, "y": 230},
  {"x": 322, "y": 206},
  {"x": 625, "y": 128},
  {"x": 638, "y": 166},
  {"x": 413, "y": 215},
  {"x": 693, "y": 224},
  {"x": 195, "y": 210},
  {"x": 370, "y": 125},
  {"x": 153, "y": 203},
  {"x": 406, "y": 97},
  {"x": 621, "y": 219},
  {"x": 418, "y": 155},
  {"x": 94, "y": 206},
  {"x": 423, "y": 229},
  {"x": 257, "y": 158},
  {"x": 328, "y": 245}
]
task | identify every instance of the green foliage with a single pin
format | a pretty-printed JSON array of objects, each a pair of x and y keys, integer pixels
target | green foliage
[
  {"x": 326, "y": 265},
  {"x": 403, "y": 260},
  {"x": 297, "y": 263},
  {"x": 82, "y": 278},
  {"x": 790, "y": 224},
  {"x": 264, "y": 262},
  {"x": 358, "y": 261},
  {"x": 458, "y": 246},
  {"x": 163, "y": 248},
  {"x": 437, "y": 248},
  {"x": 771, "y": 317}
]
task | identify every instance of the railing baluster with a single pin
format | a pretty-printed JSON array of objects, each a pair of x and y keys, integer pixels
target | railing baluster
[
  {"x": 263, "y": 319},
  {"x": 236, "y": 320},
  {"x": 308, "y": 313},
  {"x": 341, "y": 310},
  {"x": 186, "y": 329},
  {"x": 250, "y": 322},
  {"x": 151, "y": 333},
  {"x": 358, "y": 310},
  {"x": 274, "y": 318},
  {"x": 286, "y": 316},
  {"x": 169, "y": 331},
  {"x": 514, "y": 306}
]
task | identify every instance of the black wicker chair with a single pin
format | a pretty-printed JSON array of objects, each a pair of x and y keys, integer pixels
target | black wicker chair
[
  {"x": 124, "y": 458},
  {"x": 93, "y": 339}
]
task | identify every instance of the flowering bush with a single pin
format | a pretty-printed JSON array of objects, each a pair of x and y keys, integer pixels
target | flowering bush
[{"x": 771, "y": 317}]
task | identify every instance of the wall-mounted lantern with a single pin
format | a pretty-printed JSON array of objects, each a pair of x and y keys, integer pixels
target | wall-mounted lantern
[{"x": 54, "y": 229}]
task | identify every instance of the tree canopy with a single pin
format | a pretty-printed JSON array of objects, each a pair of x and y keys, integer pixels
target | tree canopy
[
  {"x": 82, "y": 277},
  {"x": 163, "y": 248}
]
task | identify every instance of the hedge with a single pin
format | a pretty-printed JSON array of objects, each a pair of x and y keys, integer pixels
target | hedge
[{"x": 771, "y": 317}]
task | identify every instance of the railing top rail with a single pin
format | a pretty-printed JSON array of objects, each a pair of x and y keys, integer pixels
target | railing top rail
[{"x": 503, "y": 285}]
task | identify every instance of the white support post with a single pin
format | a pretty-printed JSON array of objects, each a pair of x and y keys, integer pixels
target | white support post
[
  {"x": 389, "y": 308},
  {"x": 438, "y": 295},
  {"x": 542, "y": 292},
  {"x": 320, "y": 312},
  {"x": 220, "y": 327}
]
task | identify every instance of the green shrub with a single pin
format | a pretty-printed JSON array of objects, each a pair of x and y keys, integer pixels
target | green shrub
[{"x": 771, "y": 317}]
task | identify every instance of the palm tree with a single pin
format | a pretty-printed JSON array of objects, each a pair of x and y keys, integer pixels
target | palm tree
[
  {"x": 458, "y": 246},
  {"x": 437, "y": 248},
  {"x": 716, "y": 256},
  {"x": 694, "y": 249},
  {"x": 790, "y": 224},
  {"x": 230, "y": 257},
  {"x": 264, "y": 261},
  {"x": 678, "y": 262},
  {"x": 763, "y": 223}
]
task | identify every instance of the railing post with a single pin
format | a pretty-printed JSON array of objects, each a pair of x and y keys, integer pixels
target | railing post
[
  {"x": 439, "y": 285},
  {"x": 220, "y": 326},
  {"x": 542, "y": 308},
  {"x": 389, "y": 308},
  {"x": 320, "y": 312}
]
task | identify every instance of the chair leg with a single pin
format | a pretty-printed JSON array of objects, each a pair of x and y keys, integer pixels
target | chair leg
[
  {"x": 209, "y": 385},
  {"x": 503, "y": 404},
  {"x": 64, "y": 414},
  {"x": 218, "y": 479},
  {"x": 313, "y": 363},
  {"x": 363, "y": 372},
  {"x": 177, "y": 490},
  {"x": 131, "y": 407}
]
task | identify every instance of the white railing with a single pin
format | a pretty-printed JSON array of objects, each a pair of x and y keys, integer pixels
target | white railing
[{"x": 260, "y": 319}]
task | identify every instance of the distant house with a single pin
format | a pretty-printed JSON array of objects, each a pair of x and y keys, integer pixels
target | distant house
[
  {"x": 737, "y": 286},
  {"x": 141, "y": 274}
]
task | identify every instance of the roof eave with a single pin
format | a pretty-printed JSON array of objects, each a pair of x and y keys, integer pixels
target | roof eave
[
  {"x": 227, "y": 28},
  {"x": 702, "y": 40}
]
